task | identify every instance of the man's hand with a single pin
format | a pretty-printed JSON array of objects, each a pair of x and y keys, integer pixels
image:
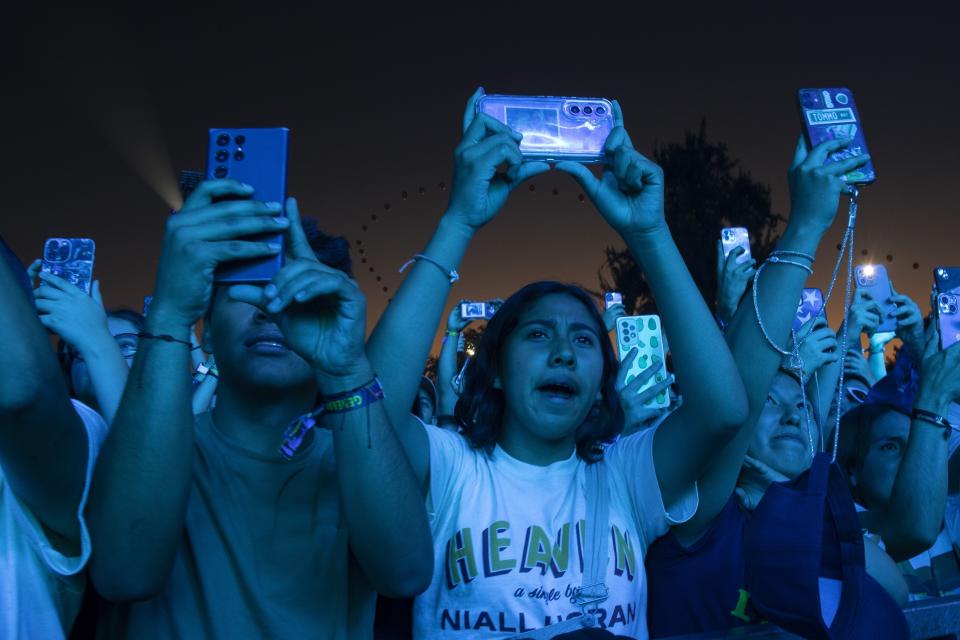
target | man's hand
[{"x": 201, "y": 236}]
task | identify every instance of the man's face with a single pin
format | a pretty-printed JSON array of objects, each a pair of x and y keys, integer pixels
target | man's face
[
  {"x": 250, "y": 349},
  {"x": 888, "y": 440}
]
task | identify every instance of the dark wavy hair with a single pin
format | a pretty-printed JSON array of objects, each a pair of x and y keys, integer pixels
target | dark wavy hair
[{"x": 481, "y": 406}]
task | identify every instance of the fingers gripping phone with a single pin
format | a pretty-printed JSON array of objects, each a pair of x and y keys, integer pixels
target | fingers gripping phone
[
  {"x": 478, "y": 310},
  {"x": 811, "y": 304},
  {"x": 874, "y": 280},
  {"x": 645, "y": 334},
  {"x": 553, "y": 128},
  {"x": 733, "y": 237},
  {"x": 947, "y": 286},
  {"x": 829, "y": 114},
  {"x": 70, "y": 259},
  {"x": 257, "y": 157}
]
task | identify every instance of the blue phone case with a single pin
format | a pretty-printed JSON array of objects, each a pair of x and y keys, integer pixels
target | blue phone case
[
  {"x": 257, "y": 157},
  {"x": 70, "y": 259},
  {"x": 947, "y": 281},
  {"x": 873, "y": 279},
  {"x": 829, "y": 114},
  {"x": 554, "y": 128},
  {"x": 811, "y": 304}
]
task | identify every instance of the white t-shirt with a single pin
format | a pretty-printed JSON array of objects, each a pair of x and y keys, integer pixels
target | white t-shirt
[
  {"x": 40, "y": 588},
  {"x": 509, "y": 538}
]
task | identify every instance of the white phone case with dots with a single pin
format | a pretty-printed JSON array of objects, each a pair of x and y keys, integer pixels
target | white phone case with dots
[{"x": 644, "y": 333}]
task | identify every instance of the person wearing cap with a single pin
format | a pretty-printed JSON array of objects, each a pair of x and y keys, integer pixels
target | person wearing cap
[{"x": 892, "y": 451}]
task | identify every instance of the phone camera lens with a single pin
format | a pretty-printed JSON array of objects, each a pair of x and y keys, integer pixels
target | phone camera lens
[
  {"x": 587, "y": 110},
  {"x": 601, "y": 111},
  {"x": 240, "y": 139},
  {"x": 574, "y": 109},
  {"x": 238, "y": 155},
  {"x": 220, "y": 172},
  {"x": 223, "y": 139},
  {"x": 222, "y": 155}
]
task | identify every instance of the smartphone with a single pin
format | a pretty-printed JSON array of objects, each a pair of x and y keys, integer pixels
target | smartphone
[
  {"x": 733, "y": 237},
  {"x": 611, "y": 298},
  {"x": 873, "y": 279},
  {"x": 811, "y": 306},
  {"x": 478, "y": 310},
  {"x": 644, "y": 333},
  {"x": 554, "y": 129},
  {"x": 70, "y": 259},
  {"x": 257, "y": 157},
  {"x": 947, "y": 285},
  {"x": 829, "y": 114}
]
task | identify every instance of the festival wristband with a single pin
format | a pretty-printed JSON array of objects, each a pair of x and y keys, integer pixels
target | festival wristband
[
  {"x": 358, "y": 398},
  {"x": 934, "y": 419}
]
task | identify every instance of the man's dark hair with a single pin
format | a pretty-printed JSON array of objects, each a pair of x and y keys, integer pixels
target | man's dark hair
[
  {"x": 481, "y": 406},
  {"x": 333, "y": 251}
]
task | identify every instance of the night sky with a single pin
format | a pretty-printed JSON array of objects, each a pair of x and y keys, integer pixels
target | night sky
[{"x": 102, "y": 110}]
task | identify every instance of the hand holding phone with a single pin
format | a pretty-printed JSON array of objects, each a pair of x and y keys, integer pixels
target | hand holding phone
[
  {"x": 644, "y": 334},
  {"x": 204, "y": 234},
  {"x": 873, "y": 279},
  {"x": 831, "y": 114},
  {"x": 733, "y": 237}
]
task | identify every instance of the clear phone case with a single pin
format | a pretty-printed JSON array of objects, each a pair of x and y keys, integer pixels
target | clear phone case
[
  {"x": 554, "y": 128},
  {"x": 70, "y": 259},
  {"x": 733, "y": 237},
  {"x": 645, "y": 334}
]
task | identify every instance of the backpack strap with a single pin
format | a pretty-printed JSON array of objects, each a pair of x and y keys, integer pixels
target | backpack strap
[{"x": 592, "y": 590}]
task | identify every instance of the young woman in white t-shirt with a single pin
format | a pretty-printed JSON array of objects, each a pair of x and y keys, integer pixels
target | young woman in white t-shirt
[{"x": 507, "y": 497}]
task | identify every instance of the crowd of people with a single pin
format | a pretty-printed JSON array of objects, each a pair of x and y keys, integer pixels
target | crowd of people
[{"x": 246, "y": 462}]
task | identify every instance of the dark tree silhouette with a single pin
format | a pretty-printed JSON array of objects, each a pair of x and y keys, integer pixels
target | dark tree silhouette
[{"x": 706, "y": 191}]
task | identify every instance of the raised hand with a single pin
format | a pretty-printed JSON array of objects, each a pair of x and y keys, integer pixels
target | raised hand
[
  {"x": 321, "y": 312},
  {"x": 732, "y": 280},
  {"x": 865, "y": 314},
  {"x": 202, "y": 235},
  {"x": 611, "y": 315},
  {"x": 820, "y": 347},
  {"x": 816, "y": 186},
  {"x": 479, "y": 190},
  {"x": 69, "y": 312},
  {"x": 629, "y": 194},
  {"x": 637, "y": 414},
  {"x": 909, "y": 323}
]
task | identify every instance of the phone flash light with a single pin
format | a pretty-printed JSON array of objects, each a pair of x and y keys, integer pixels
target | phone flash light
[{"x": 868, "y": 270}]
